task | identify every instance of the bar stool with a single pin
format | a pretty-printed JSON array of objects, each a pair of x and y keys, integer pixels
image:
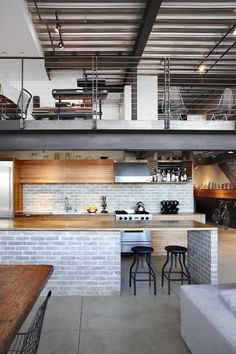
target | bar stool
[
  {"x": 178, "y": 252},
  {"x": 142, "y": 252}
]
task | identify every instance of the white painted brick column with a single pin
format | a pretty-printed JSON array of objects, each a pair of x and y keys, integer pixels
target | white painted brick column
[
  {"x": 203, "y": 256},
  {"x": 86, "y": 263}
]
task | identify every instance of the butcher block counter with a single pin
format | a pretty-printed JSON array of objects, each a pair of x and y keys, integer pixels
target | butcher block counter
[
  {"x": 53, "y": 224},
  {"x": 86, "y": 253}
]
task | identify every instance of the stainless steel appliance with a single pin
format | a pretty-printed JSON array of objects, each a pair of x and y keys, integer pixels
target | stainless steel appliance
[
  {"x": 123, "y": 215},
  {"x": 6, "y": 189},
  {"x": 130, "y": 239},
  {"x": 127, "y": 172}
]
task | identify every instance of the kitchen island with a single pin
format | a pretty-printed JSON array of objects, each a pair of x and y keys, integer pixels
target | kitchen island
[{"x": 86, "y": 253}]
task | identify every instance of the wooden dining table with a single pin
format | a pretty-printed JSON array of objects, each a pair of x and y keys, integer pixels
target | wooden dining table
[{"x": 20, "y": 287}]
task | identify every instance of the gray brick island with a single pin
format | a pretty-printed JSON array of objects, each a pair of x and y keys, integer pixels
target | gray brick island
[{"x": 86, "y": 253}]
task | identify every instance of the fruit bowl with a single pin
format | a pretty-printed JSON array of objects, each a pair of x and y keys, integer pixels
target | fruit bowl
[{"x": 92, "y": 209}]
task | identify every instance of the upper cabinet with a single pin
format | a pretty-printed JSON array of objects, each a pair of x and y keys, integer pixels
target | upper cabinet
[
  {"x": 42, "y": 171},
  {"x": 90, "y": 171},
  {"x": 66, "y": 171}
]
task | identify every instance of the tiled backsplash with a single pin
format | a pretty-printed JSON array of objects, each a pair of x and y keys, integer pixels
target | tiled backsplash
[{"x": 51, "y": 197}]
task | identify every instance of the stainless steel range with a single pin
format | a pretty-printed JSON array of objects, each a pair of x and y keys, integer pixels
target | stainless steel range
[
  {"x": 123, "y": 215},
  {"x": 133, "y": 238}
]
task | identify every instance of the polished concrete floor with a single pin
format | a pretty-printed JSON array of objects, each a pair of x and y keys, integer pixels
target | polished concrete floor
[{"x": 124, "y": 325}]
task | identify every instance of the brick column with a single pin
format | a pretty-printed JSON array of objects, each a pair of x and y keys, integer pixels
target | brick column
[{"x": 203, "y": 256}]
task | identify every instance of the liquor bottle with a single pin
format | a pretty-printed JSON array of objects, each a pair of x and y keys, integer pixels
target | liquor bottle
[
  {"x": 173, "y": 176},
  {"x": 185, "y": 177},
  {"x": 168, "y": 176},
  {"x": 159, "y": 176},
  {"x": 154, "y": 176},
  {"x": 181, "y": 176},
  {"x": 164, "y": 177},
  {"x": 177, "y": 175}
]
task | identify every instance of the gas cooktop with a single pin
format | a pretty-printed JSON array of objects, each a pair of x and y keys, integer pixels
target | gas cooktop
[{"x": 123, "y": 215}]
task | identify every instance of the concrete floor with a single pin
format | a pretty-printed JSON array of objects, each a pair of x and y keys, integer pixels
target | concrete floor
[{"x": 124, "y": 325}]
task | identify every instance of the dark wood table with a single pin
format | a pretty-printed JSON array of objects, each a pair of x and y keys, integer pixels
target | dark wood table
[{"x": 20, "y": 286}]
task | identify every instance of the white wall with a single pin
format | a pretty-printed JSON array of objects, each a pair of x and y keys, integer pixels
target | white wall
[
  {"x": 67, "y": 80},
  {"x": 209, "y": 173},
  {"x": 147, "y": 98}
]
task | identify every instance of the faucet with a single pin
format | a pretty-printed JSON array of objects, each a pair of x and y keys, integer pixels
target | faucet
[{"x": 67, "y": 206}]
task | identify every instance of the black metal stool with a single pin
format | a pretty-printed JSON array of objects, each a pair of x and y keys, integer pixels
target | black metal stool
[
  {"x": 142, "y": 251},
  {"x": 177, "y": 252}
]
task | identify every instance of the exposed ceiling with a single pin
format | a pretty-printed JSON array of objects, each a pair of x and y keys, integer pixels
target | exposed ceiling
[{"x": 123, "y": 34}]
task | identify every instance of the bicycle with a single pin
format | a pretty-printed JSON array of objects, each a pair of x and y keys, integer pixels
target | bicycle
[{"x": 221, "y": 215}]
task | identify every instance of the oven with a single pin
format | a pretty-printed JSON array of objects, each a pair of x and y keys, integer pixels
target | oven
[{"x": 130, "y": 239}]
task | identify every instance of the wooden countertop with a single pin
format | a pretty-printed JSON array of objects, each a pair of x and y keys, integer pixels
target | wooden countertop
[
  {"x": 95, "y": 224},
  {"x": 20, "y": 286}
]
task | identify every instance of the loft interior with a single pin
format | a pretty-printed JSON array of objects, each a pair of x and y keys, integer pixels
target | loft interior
[{"x": 117, "y": 176}]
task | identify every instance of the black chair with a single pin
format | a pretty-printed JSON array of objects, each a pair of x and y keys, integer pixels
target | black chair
[
  {"x": 24, "y": 99},
  {"x": 28, "y": 342},
  {"x": 143, "y": 252},
  {"x": 178, "y": 252}
]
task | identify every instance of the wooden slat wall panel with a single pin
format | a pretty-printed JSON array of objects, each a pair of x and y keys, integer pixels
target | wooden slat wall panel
[
  {"x": 90, "y": 171},
  {"x": 161, "y": 239},
  {"x": 42, "y": 171},
  {"x": 215, "y": 193}
]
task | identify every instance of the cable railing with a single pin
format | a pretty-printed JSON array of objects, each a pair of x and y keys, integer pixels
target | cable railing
[{"x": 117, "y": 88}]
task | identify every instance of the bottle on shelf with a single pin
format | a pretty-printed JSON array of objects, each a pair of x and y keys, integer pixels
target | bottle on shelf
[
  {"x": 159, "y": 176},
  {"x": 185, "y": 176},
  {"x": 177, "y": 175},
  {"x": 168, "y": 176},
  {"x": 164, "y": 177},
  {"x": 181, "y": 176},
  {"x": 173, "y": 176}
]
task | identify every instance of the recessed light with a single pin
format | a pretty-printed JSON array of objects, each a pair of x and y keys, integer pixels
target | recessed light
[{"x": 230, "y": 152}]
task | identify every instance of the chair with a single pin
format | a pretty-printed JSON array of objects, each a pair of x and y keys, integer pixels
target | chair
[
  {"x": 26, "y": 96},
  {"x": 177, "y": 107},
  {"x": 223, "y": 108},
  {"x": 28, "y": 342}
]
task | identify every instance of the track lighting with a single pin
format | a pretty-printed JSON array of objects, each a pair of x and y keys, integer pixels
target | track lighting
[
  {"x": 57, "y": 28},
  {"x": 61, "y": 45}
]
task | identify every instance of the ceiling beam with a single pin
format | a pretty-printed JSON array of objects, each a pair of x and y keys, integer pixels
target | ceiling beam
[
  {"x": 149, "y": 18},
  {"x": 141, "y": 140}
]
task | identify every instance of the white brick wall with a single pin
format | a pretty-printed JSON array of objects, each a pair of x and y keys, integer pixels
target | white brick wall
[
  {"x": 85, "y": 263},
  {"x": 203, "y": 256},
  {"x": 51, "y": 197}
]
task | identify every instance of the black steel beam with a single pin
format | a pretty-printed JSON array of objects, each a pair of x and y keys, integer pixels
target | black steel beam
[
  {"x": 117, "y": 140},
  {"x": 149, "y": 18}
]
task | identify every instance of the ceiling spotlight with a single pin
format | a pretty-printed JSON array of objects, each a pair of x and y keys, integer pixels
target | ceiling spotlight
[
  {"x": 230, "y": 152},
  {"x": 234, "y": 31},
  {"x": 201, "y": 68},
  {"x": 57, "y": 28},
  {"x": 61, "y": 45}
]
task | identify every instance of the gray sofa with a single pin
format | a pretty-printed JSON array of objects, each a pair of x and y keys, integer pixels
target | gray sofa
[{"x": 208, "y": 326}]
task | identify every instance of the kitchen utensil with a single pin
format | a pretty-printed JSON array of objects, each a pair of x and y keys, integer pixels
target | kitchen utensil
[{"x": 140, "y": 207}]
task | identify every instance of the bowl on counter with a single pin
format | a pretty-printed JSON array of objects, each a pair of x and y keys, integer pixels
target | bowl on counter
[{"x": 92, "y": 209}]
